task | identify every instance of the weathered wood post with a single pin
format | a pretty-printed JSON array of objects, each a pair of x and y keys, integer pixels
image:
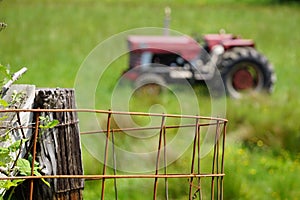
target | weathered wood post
[{"x": 59, "y": 149}]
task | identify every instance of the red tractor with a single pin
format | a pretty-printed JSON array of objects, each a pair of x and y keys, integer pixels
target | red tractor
[{"x": 155, "y": 61}]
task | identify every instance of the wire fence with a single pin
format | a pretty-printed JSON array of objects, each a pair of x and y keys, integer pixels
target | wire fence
[{"x": 164, "y": 130}]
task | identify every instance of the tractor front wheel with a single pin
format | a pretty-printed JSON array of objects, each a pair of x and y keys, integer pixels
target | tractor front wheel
[
  {"x": 245, "y": 71},
  {"x": 149, "y": 84}
]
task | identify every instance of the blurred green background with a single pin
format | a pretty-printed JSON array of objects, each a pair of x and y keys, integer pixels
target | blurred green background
[{"x": 52, "y": 39}]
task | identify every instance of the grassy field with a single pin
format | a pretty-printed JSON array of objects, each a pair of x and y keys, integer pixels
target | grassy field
[{"x": 52, "y": 38}]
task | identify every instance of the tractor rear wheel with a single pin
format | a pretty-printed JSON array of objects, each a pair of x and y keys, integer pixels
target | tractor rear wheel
[{"x": 245, "y": 71}]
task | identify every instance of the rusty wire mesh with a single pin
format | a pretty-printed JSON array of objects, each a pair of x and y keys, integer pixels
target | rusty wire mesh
[{"x": 195, "y": 174}]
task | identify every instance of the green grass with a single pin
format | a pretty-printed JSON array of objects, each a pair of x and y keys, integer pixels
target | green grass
[{"x": 52, "y": 38}]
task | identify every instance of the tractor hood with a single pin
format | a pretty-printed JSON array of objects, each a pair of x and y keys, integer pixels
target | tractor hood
[{"x": 185, "y": 46}]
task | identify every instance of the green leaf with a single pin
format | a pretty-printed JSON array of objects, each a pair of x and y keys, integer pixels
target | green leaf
[
  {"x": 42, "y": 118},
  {"x": 24, "y": 167},
  {"x": 4, "y": 71},
  {"x": 17, "y": 144},
  {"x": 3, "y": 103},
  {"x": 2, "y": 183},
  {"x": 37, "y": 173},
  {"x": 50, "y": 124},
  {"x": 4, "y": 74},
  {"x": 53, "y": 123},
  {"x": 4, "y": 156},
  {"x": 42, "y": 179},
  {"x": 4, "y": 151},
  {"x": 18, "y": 181},
  {"x": 46, "y": 182},
  {"x": 29, "y": 158},
  {"x": 5, "y": 137},
  {"x": 8, "y": 184},
  {"x": 17, "y": 98}
]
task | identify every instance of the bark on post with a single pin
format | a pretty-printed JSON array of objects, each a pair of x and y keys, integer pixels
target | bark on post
[{"x": 58, "y": 150}]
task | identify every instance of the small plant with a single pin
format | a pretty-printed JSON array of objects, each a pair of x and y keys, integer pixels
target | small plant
[
  {"x": 47, "y": 123},
  {"x": 11, "y": 163},
  {"x": 9, "y": 166},
  {"x": 17, "y": 98},
  {"x": 5, "y": 75},
  {"x": 2, "y": 26}
]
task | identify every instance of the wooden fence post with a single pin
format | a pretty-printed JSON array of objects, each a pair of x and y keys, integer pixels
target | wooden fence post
[{"x": 59, "y": 149}]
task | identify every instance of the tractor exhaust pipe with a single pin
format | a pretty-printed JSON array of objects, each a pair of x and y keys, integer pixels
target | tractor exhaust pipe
[{"x": 167, "y": 21}]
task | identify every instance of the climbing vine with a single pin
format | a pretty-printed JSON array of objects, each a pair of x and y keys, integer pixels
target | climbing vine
[{"x": 11, "y": 163}]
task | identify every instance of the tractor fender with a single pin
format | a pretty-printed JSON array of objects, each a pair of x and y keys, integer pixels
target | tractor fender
[{"x": 228, "y": 44}]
